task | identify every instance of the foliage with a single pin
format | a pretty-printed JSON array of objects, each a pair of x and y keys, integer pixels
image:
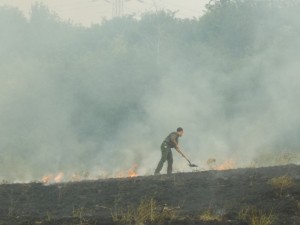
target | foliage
[
  {"x": 79, "y": 213},
  {"x": 147, "y": 211},
  {"x": 282, "y": 183},
  {"x": 209, "y": 215},
  {"x": 254, "y": 216}
]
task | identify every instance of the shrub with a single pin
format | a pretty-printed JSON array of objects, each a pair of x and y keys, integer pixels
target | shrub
[
  {"x": 147, "y": 211},
  {"x": 256, "y": 217},
  {"x": 282, "y": 183},
  {"x": 209, "y": 215}
]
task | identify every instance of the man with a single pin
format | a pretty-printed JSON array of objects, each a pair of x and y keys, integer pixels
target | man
[{"x": 166, "y": 154}]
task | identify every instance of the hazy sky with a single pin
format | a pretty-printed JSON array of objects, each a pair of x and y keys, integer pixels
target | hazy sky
[{"x": 93, "y": 11}]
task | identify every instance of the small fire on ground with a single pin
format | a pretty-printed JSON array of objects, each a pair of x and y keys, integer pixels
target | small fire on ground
[
  {"x": 58, "y": 178},
  {"x": 132, "y": 172},
  {"x": 53, "y": 178},
  {"x": 227, "y": 165}
]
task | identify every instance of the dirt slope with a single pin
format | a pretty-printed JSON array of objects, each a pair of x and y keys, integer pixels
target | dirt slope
[{"x": 210, "y": 197}]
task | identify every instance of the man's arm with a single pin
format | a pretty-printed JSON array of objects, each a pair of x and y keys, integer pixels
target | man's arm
[
  {"x": 180, "y": 152},
  {"x": 173, "y": 139}
]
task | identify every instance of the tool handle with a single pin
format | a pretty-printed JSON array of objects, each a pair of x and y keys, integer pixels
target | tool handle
[{"x": 181, "y": 153}]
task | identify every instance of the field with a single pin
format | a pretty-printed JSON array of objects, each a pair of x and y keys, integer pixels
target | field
[{"x": 248, "y": 196}]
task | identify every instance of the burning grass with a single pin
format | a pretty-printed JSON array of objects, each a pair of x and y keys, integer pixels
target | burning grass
[
  {"x": 226, "y": 165},
  {"x": 53, "y": 178},
  {"x": 85, "y": 175}
]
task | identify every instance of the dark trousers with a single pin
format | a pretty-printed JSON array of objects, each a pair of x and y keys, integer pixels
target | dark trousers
[{"x": 166, "y": 155}]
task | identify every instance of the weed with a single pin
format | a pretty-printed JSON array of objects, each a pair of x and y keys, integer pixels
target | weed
[
  {"x": 11, "y": 207},
  {"x": 147, "y": 211},
  {"x": 209, "y": 215},
  {"x": 60, "y": 193},
  {"x": 79, "y": 213},
  {"x": 285, "y": 158},
  {"x": 169, "y": 214},
  {"x": 4, "y": 182},
  {"x": 211, "y": 163},
  {"x": 81, "y": 175},
  {"x": 253, "y": 164},
  {"x": 123, "y": 216},
  {"x": 270, "y": 159},
  {"x": 282, "y": 183},
  {"x": 48, "y": 216},
  {"x": 256, "y": 217},
  {"x": 13, "y": 201}
]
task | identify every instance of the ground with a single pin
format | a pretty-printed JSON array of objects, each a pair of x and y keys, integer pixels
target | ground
[{"x": 249, "y": 196}]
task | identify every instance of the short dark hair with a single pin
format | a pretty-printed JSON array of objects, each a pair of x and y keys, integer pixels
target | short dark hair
[{"x": 179, "y": 129}]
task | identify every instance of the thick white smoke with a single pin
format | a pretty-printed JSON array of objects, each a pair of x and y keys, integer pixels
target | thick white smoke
[{"x": 100, "y": 99}]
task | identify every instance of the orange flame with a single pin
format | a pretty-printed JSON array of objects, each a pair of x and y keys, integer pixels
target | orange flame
[
  {"x": 47, "y": 179},
  {"x": 227, "y": 165},
  {"x": 58, "y": 178},
  {"x": 133, "y": 171},
  {"x": 52, "y": 178}
]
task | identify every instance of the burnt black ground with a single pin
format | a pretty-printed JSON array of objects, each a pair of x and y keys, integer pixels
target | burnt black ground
[{"x": 224, "y": 192}]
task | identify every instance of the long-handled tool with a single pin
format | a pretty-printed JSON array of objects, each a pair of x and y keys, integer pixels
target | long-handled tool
[{"x": 190, "y": 164}]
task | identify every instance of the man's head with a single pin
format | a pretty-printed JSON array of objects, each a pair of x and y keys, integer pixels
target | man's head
[{"x": 180, "y": 131}]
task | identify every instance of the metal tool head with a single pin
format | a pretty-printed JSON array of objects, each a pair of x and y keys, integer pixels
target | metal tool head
[{"x": 192, "y": 165}]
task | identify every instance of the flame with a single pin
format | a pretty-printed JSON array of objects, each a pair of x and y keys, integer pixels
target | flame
[
  {"x": 47, "y": 179},
  {"x": 133, "y": 171},
  {"x": 79, "y": 176},
  {"x": 227, "y": 165},
  {"x": 52, "y": 178},
  {"x": 58, "y": 178}
]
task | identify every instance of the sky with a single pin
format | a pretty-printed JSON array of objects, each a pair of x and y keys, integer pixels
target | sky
[{"x": 87, "y": 12}]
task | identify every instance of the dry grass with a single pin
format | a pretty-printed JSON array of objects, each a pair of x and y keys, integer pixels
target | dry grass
[
  {"x": 286, "y": 158},
  {"x": 209, "y": 215},
  {"x": 79, "y": 213},
  {"x": 123, "y": 216},
  {"x": 147, "y": 211},
  {"x": 269, "y": 159},
  {"x": 48, "y": 216},
  {"x": 211, "y": 163},
  {"x": 282, "y": 183},
  {"x": 256, "y": 217}
]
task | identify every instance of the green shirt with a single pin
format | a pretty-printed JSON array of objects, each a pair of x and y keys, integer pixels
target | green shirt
[{"x": 172, "y": 137}]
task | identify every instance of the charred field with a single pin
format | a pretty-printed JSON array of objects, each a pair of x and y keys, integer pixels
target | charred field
[{"x": 247, "y": 196}]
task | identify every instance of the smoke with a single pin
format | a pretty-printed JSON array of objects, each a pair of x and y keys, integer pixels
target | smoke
[{"x": 103, "y": 98}]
